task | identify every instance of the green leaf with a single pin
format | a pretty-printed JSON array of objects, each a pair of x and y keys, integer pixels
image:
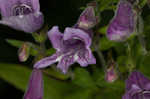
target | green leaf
[
  {"x": 144, "y": 64},
  {"x": 106, "y": 4},
  {"x": 142, "y": 3},
  {"x": 103, "y": 30},
  {"x": 18, "y": 76},
  {"x": 50, "y": 51},
  {"x": 108, "y": 93},
  {"x": 15, "y": 43},
  {"x": 108, "y": 90},
  {"x": 80, "y": 93},
  {"x": 82, "y": 78},
  {"x": 106, "y": 44},
  {"x": 55, "y": 73},
  {"x": 39, "y": 37}
]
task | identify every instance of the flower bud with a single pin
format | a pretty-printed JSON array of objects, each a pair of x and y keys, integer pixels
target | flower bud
[
  {"x": 35, "y": 87},
  {"x": 123, "y": 23},
  {"x": 23, "y": 52},
  {"x": 87, "y": 19},
  {"x": 111, "y": 74}
]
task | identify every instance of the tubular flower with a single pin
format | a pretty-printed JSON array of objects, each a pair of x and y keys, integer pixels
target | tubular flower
[
  {"x": 22, "y": 15},
  {"x": 73, "y": 45},
  {"x": 123, "y": 23},
  {"x": 137, "y": 87},
  {"x": 35, "y": 87}
]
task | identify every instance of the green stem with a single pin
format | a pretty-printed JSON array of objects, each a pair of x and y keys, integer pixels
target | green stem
[
  {"x": 100, "y": 55},
  {"x": 131, "y": 64},
  {"x": 139, "y": 30}
]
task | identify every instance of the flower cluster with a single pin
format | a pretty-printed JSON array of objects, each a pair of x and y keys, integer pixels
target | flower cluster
[{"x": 73, "y": 45}]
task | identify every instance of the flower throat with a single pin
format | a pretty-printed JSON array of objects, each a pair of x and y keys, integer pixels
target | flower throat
[{"x": 22, "y": 9}]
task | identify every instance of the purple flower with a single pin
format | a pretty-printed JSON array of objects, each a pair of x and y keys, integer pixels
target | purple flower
[
  {"x": 137, "y": 87},
  {"x": 87, "y": 18},
  {"x": 35, "y": 87},
  {"x": 72, "y": 46},
  {"x": 122, "y": 25},
  {"x": 22, "y": 15}
]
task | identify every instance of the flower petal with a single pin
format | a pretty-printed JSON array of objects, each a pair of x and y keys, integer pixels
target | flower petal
[
  {"x": 35, "y": 87},
  {"x": 73, "y": 33},
  {"x": 65, "y": 62},
  {"x": 146, "y": 96},
  {"x": 46, "y": 61},
  {"x": 137, "y": 96},
  {"x": 6, "y": 7},
  {"x": 34, "y": 3},
  {"x": 56, "y": 37},
  {"x": 85, "y": 57},
  {"x": 138, "y": 79},
  {"x": 27, "y": 23}
]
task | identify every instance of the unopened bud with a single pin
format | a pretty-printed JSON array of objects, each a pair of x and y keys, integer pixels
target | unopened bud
[
  {"x": 111, "y": 74},
  {"x": 123, "y": 23},
  {"x": 23, "y": 52},
  {"x": 87, "y": 19}
]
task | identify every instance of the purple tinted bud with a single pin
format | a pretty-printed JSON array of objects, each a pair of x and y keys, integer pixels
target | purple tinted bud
[
  {"x": 137, "y": 87},
  {"x": 111, "y": 74},
  {"x": 35, "y": 87},
  {"x": 122, "y": 25},
  {"x": 24, "y": 52},
  {"x": 87, "y": 19},
  {"x": 22, "y": 15}
]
